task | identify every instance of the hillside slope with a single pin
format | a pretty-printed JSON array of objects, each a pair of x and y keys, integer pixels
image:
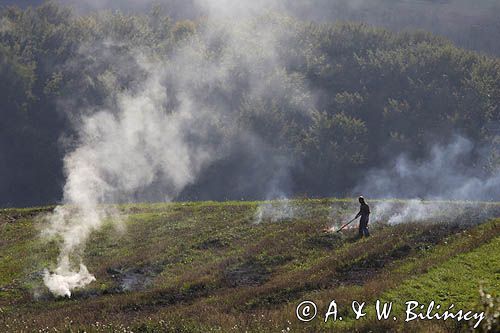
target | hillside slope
[{"x": 245, "y": 266}]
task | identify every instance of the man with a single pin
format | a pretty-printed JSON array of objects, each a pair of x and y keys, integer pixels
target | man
[{"x": 364, "y": 212}]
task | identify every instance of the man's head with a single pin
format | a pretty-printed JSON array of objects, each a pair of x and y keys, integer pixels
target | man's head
[{"x": 361, "y": 199}]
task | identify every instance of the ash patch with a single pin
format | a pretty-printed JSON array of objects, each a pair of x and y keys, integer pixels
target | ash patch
[
  {"x": 133, "y": 279},
  {"x": 246, "y": 274}
]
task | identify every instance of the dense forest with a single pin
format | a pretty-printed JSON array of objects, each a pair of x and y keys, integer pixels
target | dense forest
[
  {"x": 290, "y": 107},
  {"x": 469, "y": 24}
]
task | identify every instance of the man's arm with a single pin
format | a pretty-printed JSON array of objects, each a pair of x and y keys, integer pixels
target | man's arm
[{"x": 358, "y": 214}]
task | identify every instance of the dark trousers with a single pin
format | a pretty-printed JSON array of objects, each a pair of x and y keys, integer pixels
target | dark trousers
[{"x": 363, "y": 226}]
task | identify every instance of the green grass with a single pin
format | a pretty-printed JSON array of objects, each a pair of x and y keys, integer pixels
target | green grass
[
  {"x": 203, "y": 266},
  {"x": 456, "y": 279}
]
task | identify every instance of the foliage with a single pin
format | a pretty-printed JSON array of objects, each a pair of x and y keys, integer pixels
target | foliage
[{"x": 372, "y": 92}]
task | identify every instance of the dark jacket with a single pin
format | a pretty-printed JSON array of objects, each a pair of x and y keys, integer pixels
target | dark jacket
[{"x": 364, "y": 211}]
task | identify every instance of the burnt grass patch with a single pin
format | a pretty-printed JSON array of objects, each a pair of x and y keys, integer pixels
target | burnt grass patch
[
  {"x": 433, "y": 233},
  {"x": 154, "y": 298},
  {"x": 415, "y": 238},
  {"x": 361, "y": 270},
  {"x": 253, "y": 270},
  {"x": 325, "y": 240},
  {"x": 132, "y": 278},
  {"x": 211, "y": 243},
  {"x": 360, "y": 261}
]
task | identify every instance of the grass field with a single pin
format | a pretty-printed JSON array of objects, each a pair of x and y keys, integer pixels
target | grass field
[{"x": 209, "y": 266}]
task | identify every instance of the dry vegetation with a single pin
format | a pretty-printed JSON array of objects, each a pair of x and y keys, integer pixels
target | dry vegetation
[{"x": 209, "y": 267}]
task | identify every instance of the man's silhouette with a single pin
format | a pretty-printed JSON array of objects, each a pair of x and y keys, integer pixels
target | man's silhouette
[{"x": 364, "y": 212}]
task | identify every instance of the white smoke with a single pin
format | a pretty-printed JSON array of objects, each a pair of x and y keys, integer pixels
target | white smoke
[
  {"x": 276, "y": 211},
  {"x": 413, "y": 210},
  {"x": 155, "y": 139},
  {"x": 63, "y": 280},
  {"x": 120, "y": 154},
  {"x": 445, "y": 174},
  {"x": 417, "y": 211},
  {"x": 395, "y": 212}
]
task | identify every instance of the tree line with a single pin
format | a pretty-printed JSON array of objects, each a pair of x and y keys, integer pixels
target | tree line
[{"x": 371, "y": 94}]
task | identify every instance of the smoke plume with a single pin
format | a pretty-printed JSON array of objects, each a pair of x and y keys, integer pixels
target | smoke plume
[
  {"x": 157, "y": 136},
  {"x": 446, "y": 173}
]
